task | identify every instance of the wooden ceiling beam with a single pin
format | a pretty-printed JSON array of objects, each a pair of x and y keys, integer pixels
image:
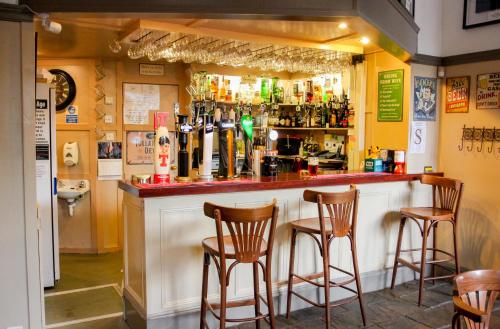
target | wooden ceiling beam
[{"x": 217, "y": 33}]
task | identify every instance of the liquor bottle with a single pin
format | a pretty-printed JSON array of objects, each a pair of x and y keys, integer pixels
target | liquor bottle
[
  {"x": 288, "y": 123},
  {"x": 264, "y": 90},
  {"x": 309, "y": 91},
  {"x": 222, "y": 91},
  {"x": 333, "y": 116},
  {"x": 312, "y": 118},
  {"x": 214, "y": 88},
  {"x": 293, "y": 119},
  {"x": 229, "y": 93},
  {"x": 275, "y": 90},
  {"x": 319, "y": 117},
  {"x": 298, "y": 116},
  {"x": 324, "y": 117},
  {"x": 282, "y": 120}
]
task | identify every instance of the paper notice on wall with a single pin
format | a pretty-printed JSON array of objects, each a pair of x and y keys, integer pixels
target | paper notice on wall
[
  {"x": 418, "y": 137},
  {"x": 138, "y": 100},
  {"x": 109, "y": 169}
]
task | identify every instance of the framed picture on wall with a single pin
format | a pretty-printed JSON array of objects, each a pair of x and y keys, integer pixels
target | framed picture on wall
[
  {"x": 481, "y": 12},
  {"x": 424, "y": 99},
  {"x": 488, "y": 91},
  {"x": 457, "y": 94}
]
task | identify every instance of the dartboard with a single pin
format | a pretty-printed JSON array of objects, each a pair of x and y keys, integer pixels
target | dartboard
[{"x": 65, "y": 88}]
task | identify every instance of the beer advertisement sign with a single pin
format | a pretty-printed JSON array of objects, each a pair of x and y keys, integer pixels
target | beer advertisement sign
[
  {"x": 424, "y": 99},
  {"x": 140, "y": 147},
  {"x": 488, "y": 91},
  {"x": 457, "y": 95}
]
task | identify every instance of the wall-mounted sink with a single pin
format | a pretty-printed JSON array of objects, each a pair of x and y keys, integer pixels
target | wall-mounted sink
[{"x": 71, "y": 190}]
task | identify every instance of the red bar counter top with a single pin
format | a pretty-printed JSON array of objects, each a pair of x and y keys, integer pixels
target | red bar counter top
[{"x": 283, "y": 181}]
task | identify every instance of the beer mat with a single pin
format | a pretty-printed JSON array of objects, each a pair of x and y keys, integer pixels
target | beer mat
[{"x": 200, "y": 183}]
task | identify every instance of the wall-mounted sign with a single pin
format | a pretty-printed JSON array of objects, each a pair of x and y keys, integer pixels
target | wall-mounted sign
[
  {"x": 140, "y": 147},
  {"x": 424, "y": 99},
  {"x": 72, "y": 114},
  {"x": 109, "y": 160},
  {"x": 138, "y": 100},
  {"x": 390, "y": 96},
  {"x": 457, "y": 95},
  {"x": 488, "y": 91},
  {"x": 151, "y": 69}
]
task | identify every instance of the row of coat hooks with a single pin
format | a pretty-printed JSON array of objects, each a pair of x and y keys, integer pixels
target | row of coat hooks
[{"x": 481, "y": 136}]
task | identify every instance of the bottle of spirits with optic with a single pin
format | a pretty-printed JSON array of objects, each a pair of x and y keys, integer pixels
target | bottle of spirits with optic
[
  {"x": 229, "y": 93},
  {"x": 222, "y": 91},
  {"x": 264, "y": 90},
  {"x": 282, "y": 120},
  {"x": 287, "y": 120}
]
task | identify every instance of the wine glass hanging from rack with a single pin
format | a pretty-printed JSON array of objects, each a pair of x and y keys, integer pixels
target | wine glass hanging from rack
[{"x": 189, "y": 48}]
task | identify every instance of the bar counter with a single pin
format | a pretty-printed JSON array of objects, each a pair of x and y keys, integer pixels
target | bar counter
[
  {"x": 282, "y": 181},
  {"x": 165, "y": 224}
]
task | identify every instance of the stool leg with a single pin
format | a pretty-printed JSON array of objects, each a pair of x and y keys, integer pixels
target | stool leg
[
  {"x": 422, "y": 262},
  {"x": 269, "y": 293},
  {"x": 455, "y": 247},
  {"x": 204, "y": 290},
  {"x": 256, "y": 293},
  {"x": 223, "y": 293},
  {"x": 326, "y": 275},
  {"x": 434, "y": 243},
  {"x": 398, "y": 251},
  {"x": 358, "y": 280},
  {"x": 290, "y": 273}
]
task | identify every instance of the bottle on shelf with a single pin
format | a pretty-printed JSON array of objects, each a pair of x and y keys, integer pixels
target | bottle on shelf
[
  {"x": 229, "y": 93},
  {"x": 214, "y": 87},
  {"x": 264, "y": 90},
  {"x": 222, "y": 91},
  {"x": 281, "y": 120}
]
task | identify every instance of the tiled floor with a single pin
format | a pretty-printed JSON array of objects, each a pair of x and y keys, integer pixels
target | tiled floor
[
  {"x": 89, "y": 287},
  {"x": 395, "y": 309}
]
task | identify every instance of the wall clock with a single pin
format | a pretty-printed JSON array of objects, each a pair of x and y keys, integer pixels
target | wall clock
[{"x": 65, "y": 88}]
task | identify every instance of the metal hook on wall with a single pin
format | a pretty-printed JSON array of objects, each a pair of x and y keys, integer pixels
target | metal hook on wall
[
  {"x": 461, "y": 147},
  {"x": 490, "y": 136},
  {"x": 471, "y": 147},
  {"x": 480, "y": 147}
]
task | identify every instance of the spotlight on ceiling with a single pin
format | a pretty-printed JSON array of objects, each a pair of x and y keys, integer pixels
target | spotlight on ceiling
[
  {"x": 343, "y": 26},
  {"x": 365, "y": 40},
  {"x": 50, "y": 25}
]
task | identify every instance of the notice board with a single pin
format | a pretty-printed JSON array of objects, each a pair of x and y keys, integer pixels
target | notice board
[
  {"x": 390, "y": 96},
  {"x": 142, "y": 100}
]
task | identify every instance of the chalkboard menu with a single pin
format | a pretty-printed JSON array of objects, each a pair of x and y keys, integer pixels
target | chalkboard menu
[{"x": 390, "y": 96}]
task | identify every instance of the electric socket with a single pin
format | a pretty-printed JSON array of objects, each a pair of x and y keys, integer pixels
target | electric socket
[
  {"x": 108, "y": 100},
  {"x": 108, "y": 119},
  {"x": 109, "y": 136}
]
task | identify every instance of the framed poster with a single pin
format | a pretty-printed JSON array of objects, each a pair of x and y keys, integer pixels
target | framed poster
[
  {"x": 390, "y": 96},
  {"x": 140, "y": 147},
  {"x": 457, "y": 94},
  {"x": 481, "y": 12},
  {"x": 488, "y": 91},
  {"x": 424, "y": 99}
]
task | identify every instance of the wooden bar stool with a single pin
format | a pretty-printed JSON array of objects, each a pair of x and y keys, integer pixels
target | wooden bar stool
[
  {"x": 245, "y": 244},
  {"x": 342, "y": 209},
  {"x": 446, "y": 195},
  {"x": 475, "y": 293}
]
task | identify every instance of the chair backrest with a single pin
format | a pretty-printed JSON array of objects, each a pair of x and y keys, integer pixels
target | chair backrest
[
  {"x": 342, "y": 209},
  {"x": 479, "y": 289},
  {"x": 247, "y": 228},
  {"x": 446, "y": 192}
]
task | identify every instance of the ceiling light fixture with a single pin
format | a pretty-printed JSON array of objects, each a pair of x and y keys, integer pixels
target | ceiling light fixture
[
  {"x": 343, "y": 26},
  {"x": 365, "y": 40}
]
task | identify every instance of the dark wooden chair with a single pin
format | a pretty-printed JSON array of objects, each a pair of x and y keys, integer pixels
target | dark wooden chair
[
  {"x": 475, "y": 293},
  {"x": 446, "y": 195},
  {"x": 245, "y": 244},
  {"x": 341, "y": 221}
]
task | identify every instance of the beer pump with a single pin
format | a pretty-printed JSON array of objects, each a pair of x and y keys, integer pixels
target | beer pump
[
  {"x": 247, "y": 128},
  {"x": 161, "y": 149},
  {"x": 205, "y": 145},
  {"x": 183, "y": 131},
  {"x": 227, "y": 145}
]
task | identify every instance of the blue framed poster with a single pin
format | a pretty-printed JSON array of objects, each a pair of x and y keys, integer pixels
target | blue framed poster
[{"x": 424, "y": 99}]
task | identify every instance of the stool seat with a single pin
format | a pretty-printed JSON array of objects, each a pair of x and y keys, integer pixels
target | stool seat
[
  {"x": 428, "y": 213},
  {"x": 311, "y": 225},
  {"x": 212, "y": 246}
]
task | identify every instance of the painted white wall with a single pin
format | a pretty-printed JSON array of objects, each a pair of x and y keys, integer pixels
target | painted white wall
[
  {"x": 459, "y": 41},
  {"x": 429, "y": 18},
  {"x": 441, "y": 33},
  {"x": 20, "y": 273}
]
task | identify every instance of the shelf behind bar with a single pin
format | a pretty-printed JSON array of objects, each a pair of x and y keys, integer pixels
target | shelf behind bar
[{"x": 302, "y": 128}]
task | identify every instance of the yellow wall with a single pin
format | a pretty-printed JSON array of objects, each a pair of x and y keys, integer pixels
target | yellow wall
[
  {"x": 392, "y": 135},
  {"x": 479, "y": 218}
]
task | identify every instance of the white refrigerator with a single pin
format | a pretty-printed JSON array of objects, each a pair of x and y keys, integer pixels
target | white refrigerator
[{"x": 46, "y": 182}]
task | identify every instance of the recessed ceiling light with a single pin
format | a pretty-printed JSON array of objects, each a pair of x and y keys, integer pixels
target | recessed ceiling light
[
  {"x": 343, "y": 26},
  {"x": 365, "y": 40}
]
